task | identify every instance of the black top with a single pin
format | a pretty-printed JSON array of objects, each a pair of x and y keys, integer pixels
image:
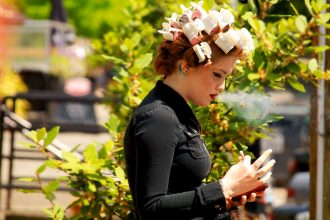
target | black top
[{"x": 167, "y": 160}]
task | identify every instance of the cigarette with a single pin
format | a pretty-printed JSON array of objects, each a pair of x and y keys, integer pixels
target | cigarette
[{"x": 242, "y": 154}]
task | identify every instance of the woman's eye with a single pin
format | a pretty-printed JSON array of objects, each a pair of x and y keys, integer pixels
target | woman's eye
[{"x": 218, "y": 75}]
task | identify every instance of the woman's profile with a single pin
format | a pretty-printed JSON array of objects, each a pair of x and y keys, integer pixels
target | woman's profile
[{"x": 166, "y": 157}]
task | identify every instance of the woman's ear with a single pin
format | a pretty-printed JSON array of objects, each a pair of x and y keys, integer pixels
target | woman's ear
[{"x": 184, "y": 66}]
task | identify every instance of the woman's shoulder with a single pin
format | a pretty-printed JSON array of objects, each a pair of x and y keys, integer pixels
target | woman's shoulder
[{"x": 156, "y": 109}]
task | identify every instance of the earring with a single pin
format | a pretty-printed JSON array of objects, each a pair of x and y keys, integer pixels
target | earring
[{"x": 180, "y": 68}]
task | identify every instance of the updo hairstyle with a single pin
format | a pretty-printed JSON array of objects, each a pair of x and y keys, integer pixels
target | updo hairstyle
[{"x": 170, "y": 52}]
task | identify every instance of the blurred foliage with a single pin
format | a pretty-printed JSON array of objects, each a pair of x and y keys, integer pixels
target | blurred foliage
[
  {"x": 67, "y": 66},
  {"x": 95, "y": 177},
  {"x": 92, "y": 20},
  {"x": 11, "y": 84},
  {"x": 286, "y": 54}
]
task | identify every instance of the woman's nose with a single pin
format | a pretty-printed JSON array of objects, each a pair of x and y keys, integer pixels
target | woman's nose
[{"x": 221, "y": 87}]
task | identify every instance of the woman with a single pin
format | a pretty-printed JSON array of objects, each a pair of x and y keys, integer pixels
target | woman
[{"x": 165, "y": 154}]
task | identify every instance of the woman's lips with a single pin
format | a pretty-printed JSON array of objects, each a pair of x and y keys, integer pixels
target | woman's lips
[{"x": 213, "y": 96}]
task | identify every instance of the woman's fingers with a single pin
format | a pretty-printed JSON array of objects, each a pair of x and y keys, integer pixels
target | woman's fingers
[
  {"x": 244, "y": 199},
  {"x": 261, "y": 172},
  {"x": 252, "y": 197},
  {"x": 241, "y": 156},
  {"x": 247, "y": 160},
  {"x": 262, "y": 159},
  {"x": 260, "y": 194},
  {"x": 266, "y": 178},
  {"x": 240, "y": 201}
]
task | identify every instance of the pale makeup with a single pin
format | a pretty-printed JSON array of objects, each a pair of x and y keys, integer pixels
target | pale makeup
[{"x": 202, "y": 84}]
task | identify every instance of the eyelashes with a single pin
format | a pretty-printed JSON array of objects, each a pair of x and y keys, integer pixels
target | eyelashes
[{"x": 217, "y": 75}]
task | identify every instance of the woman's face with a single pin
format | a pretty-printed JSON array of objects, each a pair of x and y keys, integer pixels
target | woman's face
[{"x": 206, "y": 82}]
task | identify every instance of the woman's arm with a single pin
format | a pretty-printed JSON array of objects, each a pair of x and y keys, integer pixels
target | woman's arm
[{"x": 156, "y": 136}]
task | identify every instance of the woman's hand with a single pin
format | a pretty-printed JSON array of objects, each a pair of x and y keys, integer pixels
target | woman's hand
[
  {"x": 242, "y": 201},
  {"x": 244, "y": 177},
  {"x": 230, "y": 203}
]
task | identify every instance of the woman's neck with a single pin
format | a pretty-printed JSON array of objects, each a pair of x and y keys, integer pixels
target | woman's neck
[{"x": 177, "y": 83}]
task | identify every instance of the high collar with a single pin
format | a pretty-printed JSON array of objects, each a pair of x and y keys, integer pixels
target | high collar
[{"x": 178, "y": 104}]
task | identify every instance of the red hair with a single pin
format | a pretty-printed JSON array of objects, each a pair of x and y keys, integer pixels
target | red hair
[{"x": 170, "y": 52}]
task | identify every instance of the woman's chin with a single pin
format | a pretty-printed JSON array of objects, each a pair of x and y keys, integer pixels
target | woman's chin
[{"x": 202, "y": 104}]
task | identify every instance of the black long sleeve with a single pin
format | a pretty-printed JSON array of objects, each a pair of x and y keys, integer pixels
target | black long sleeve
[{"x": 164, "y": 172}]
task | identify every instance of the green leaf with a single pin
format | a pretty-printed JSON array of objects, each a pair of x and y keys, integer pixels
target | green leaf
[
  {"x": 134, "y": 100},
  {"x": 318, "y": 74},
  {"x": 90, "y": 154},
  {"x": 27, "y": 190},
  {"x": 33, "y": 136},
  {"x": 70, "y": 157},
  {"x": 72, "y": 168},
  {"x": 253, "y": 76},
  {"x": 105, "y": 151},
  {"x": 293, "y": 67},
  {"x": 208, "y": 4},
  {"x": 323, "y": 18},
  {"x": 243, "y": 84},
  {"x": 312, "y": 65},
  {"x": 48, "y": 212},
  {"x": 132, "y": 42},
  {"x": 75, "y": 193},
  {"x": 85, "y": 202},
  {"x": 112, "y": 124},
  {"x": 41, "y": 133},
  {"x": 259, "y": 58},
  {"x": 317, "y": 49},
  {"x": 27, "y": 179},
  {"x": 123, "y": 72},
  {"x": 273, "y": 76},
  {"x": 301, "y": 23},
  {"x": 64, "y": 178},
  {"x": 109, "y": 145},
  {"x": 319, "y": 6},
  {"x": 123, "y": 48},
  {"x": 119, "y": 172},
  {"x": 53, "y": 163},
  {"x": 52, "y": 134},
  {"x": 50, "y": 196},
  {"x": 94, "y": 176},
  {"x": 58, "y": 213},
  {"x": 309, "y": 7},
  {"x": 91, "y": 187},
  {"x": 256, "y": 24},
  {"x": 27, "y": 144},
  {"x": 294, "y": 9},
  {"x": 113, "y": 59},
  {"x": 273, "y": 1},
  {"x": 51, "y": 186},
  {"x": 303, "y": 66},
  {"x": 134, "y": 70},
  {"x": 41, "y": 168},
  {"x": 283, "y": 26},
  {"x": 143, "y": 61},
  {"x": 316, "y": 7},
  {"x": 253, "y": 6},
  {"x": 296, "y": 84}
]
